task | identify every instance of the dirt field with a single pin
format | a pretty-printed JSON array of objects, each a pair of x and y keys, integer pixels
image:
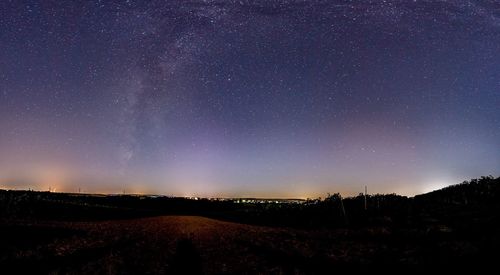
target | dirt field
[{"x": 179, "y": 244}]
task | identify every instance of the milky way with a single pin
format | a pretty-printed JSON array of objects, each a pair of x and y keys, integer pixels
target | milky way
[{"x": 248, "y": 98}]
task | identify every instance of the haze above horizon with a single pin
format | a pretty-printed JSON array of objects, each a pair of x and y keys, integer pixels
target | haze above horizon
[{"x": 248, "y": 98}]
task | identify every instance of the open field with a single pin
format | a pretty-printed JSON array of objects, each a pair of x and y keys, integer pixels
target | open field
[
  {"x": 168, "y": 243},
  {"x": 192, "y": 244},
  {"x": 58, "y": 233}
]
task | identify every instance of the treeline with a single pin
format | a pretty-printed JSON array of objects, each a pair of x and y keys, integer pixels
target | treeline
[
  {"x": 333, "y": 211},
  {"x": 64, "y": 206},
  {"x": 482, "y": 191},
  {"x": 475, "y": 197},
  {"x": 471, "y": 205}
]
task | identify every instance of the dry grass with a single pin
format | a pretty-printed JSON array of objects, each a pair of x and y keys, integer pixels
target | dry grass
[{"x": 151, "y": 246}]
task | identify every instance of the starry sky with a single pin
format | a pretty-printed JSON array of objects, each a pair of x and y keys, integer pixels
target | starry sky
[{"x": 260, "y": 98}]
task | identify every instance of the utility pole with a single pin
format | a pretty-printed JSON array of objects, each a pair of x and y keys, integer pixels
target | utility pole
[
  {"x": 366, "y": 206},
  {"x": 343, "y": 209}
]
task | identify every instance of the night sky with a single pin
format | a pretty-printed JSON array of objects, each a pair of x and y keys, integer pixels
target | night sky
[{"x": 248, "y": 98}]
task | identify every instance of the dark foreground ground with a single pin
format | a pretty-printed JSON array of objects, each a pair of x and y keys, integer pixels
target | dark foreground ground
[
  {"x": 44, "y": 233},
  {"x": 191, "y": 244}
]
